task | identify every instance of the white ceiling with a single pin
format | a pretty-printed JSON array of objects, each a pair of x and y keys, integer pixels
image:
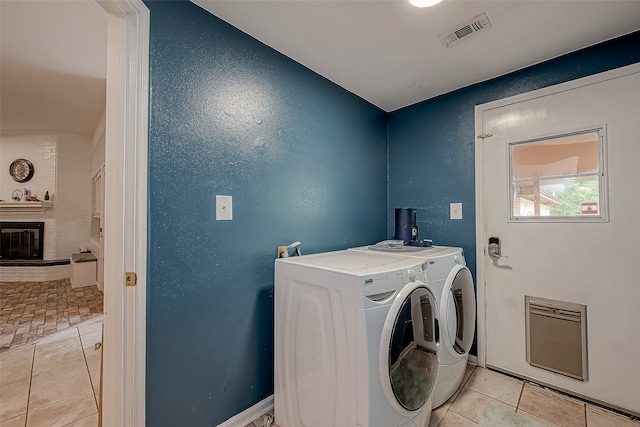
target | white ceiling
[
  {"x": 53, "y": 52},
  {"x": 388, "y": 52},
  {"x": 53, "y": 63}
]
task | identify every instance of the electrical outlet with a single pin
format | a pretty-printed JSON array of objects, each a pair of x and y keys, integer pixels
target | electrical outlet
[
  {"x": 224, "y": 208},
  {"x": 281, "y": 251},
  {"x": 456, "y": 210}
]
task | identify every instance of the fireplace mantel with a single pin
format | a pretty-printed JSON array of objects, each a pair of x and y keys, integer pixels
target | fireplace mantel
[{"x": 24, "y": 207}]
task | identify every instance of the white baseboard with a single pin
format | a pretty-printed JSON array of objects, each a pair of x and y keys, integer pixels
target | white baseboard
[
  {"x": 259, "y": 409},
  {"x": 251, "y": 414}
]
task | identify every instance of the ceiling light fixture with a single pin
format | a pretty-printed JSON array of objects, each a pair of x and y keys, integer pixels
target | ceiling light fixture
[{"x": 424, "y": 3}]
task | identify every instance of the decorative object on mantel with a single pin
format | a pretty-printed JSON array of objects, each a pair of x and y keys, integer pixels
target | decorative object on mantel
[
  {"x": 26, "y": 196},
  {"x": 21, "y": 170}
]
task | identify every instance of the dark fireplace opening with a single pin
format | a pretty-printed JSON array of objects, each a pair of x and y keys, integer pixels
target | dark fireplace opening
[{"x": 22, "y": 240}]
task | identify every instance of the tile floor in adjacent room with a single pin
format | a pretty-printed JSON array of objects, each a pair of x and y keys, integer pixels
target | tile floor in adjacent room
[
  {"x": 54, "y": 381},
  {"x": 483, "y": 389},
  {"x": 32, "y": 310}
]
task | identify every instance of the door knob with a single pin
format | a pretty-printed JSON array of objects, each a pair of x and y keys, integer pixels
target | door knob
[
  {"x": 494, "y": 247},
  {"x": 495, "y": 252}
]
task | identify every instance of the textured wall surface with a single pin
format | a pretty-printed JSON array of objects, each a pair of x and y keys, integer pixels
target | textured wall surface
[
  {"x": 431, "y": 144},
  {"x": 41, "y": 151},
  {"x": 303, "y": 160},
  {"x": 62, "y": 167},
  {"x": 73, "y": 201}
]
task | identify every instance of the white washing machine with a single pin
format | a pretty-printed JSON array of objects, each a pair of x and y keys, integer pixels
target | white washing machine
[
  {"x": 355, "y": 341},
  {"x": 452, "y": 284}
]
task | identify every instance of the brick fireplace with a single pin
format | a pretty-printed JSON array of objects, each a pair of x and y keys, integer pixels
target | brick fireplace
[{"x": 21, "y": 240}]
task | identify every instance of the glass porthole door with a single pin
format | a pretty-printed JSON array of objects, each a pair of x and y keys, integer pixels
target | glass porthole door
[
  {"x": 461, "y": 309},
  {"x": 409, "y": 361}
]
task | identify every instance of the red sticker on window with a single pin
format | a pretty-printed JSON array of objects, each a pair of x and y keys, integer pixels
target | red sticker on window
[{"x": 589, "y": 208}]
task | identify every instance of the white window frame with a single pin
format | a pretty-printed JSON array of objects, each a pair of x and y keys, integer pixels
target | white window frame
[
  {"x": 603, "y": 203},
  {"x": 98, "y": 194}
]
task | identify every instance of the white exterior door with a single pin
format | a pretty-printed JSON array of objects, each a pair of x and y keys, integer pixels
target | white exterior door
[{"x": 583, "y": 258}]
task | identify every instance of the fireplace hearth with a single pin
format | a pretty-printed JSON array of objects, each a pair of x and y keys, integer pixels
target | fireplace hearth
[{"x": 21, "y": 240}]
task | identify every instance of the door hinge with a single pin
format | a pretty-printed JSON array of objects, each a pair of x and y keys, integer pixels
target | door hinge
[
  {"x": 131, "y": 278},
  {"x": 485, "y": 135}
]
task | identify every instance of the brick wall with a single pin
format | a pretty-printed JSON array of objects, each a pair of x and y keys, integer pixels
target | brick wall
[
  {"x": 34, "y": 274},
  {"x": 62, "y": 166},
  {"x": 42, "y": 151}
]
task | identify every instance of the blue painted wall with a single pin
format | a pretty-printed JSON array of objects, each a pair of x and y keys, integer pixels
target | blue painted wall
[
  {"x": 432, "y": 143},
  {"x": 303, "y": 159}
]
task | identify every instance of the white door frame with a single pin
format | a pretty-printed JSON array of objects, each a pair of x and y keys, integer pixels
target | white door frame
[
  {"x": 479, "y": 166},
  {"x": 125, "y": 226}
]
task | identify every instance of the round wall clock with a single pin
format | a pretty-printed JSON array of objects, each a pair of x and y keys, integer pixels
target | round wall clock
[{"x": 21, "y": 170}]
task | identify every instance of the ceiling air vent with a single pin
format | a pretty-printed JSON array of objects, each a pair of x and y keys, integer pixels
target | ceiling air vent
[{"x": 466, "y": 29}]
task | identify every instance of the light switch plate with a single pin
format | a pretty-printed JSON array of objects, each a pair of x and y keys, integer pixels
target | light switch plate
[
  {"x": 456, "y": 210},
  {"x": 224, "y": 208}
]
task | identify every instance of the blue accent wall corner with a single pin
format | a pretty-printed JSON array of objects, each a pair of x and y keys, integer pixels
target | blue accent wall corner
[{"x": 302, "y": 158}]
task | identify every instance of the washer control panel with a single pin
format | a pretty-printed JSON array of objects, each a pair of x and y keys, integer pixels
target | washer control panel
[{"x": 395, "y": 280}]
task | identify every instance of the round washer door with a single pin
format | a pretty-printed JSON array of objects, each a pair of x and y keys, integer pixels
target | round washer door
[
  {"x": 459, "y": 310},
  {"x": 408, "y": 361}
]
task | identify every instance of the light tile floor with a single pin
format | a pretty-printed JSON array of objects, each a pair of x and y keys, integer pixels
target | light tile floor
[
  {"x": 482, "y": 389},
  {"x": 54, "y": 381}
]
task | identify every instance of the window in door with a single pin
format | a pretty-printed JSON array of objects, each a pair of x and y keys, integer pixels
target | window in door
[{"x": 560, "y": 178}]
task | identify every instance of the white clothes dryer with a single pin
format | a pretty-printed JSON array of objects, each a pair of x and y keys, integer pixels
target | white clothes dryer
[
  {"x": 355, "y": 341},
  {"x": 452, "y": 284}
]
